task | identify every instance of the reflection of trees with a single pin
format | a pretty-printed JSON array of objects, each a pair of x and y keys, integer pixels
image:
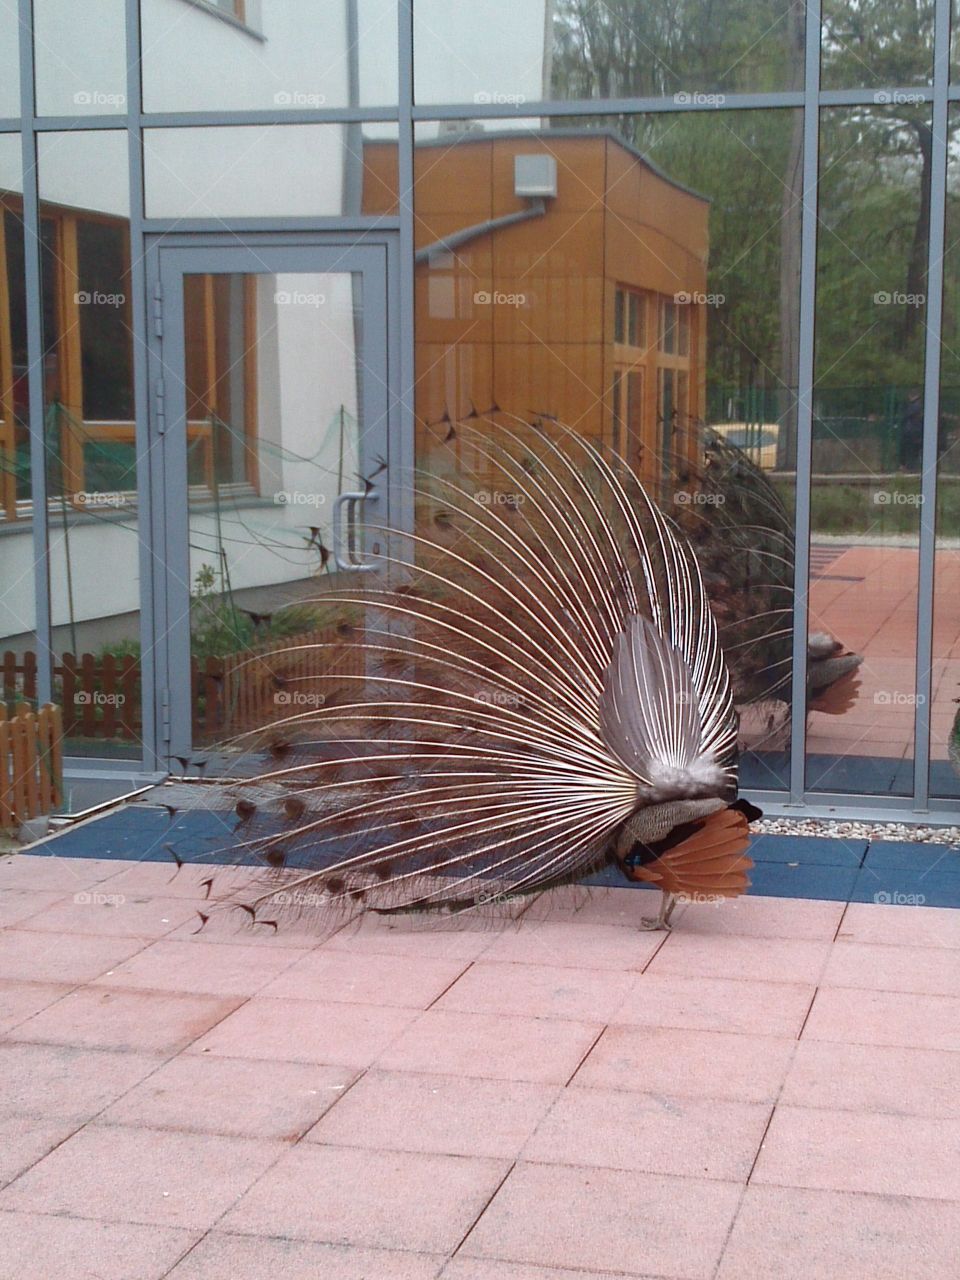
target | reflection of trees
[{"x": 875, "y": 167}]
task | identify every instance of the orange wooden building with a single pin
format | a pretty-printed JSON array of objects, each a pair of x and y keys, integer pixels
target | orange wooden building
[{"x": 587, "y": 304}]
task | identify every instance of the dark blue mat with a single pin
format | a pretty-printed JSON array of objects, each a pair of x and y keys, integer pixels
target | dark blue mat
[{"x": 786, "y": 866}]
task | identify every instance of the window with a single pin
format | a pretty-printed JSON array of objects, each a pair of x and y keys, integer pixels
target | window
[
  {"x": 674, "y": 333},
  {"x": 629, "y": 317}
]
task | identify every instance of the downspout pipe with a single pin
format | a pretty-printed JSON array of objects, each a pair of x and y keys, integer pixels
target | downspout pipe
[{"x": 535, "y": 209}]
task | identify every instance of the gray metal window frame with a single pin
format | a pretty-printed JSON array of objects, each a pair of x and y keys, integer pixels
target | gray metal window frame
[{"x": 811, "y": 99}]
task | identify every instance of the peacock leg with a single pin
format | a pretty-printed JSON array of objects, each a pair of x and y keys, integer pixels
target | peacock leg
[{"x": 662, "y": 921}]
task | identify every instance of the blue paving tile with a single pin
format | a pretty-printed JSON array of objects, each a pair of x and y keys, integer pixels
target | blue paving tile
[
  {"x": 903, "y": 888},
  {"x": 777, "y": 880},
  {"x": 808, "y": 850},
  {"x": 910, "y": 856}
]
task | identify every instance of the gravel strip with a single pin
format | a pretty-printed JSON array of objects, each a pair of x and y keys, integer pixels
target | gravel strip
[{"x": 829, "y": 829}]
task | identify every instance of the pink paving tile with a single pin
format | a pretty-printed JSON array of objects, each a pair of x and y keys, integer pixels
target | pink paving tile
[
  {"x": 377, "y": 1199},
  {"x": 35, "y": 1246},
  {"x": 860, "y": 1077},
  {"x": 157, "y": 879},
  {"x": 144, "y": 1021},
  {"x": 232, "y": 927},
  {"x": 366, "y": 979},
  {"x": 216, "y": 971},
  {"x": 47, "y": 957},
  {"x": 697, "y": 1064},
  {"x": 928, "y": 970},
  {"x": 538, "y": 991},
  {"x": 588, "y": 946},
  {"x": 25, "y": 1139},
  {"x": 405, "y": 1111},
  {"x": 901, "y": 926},
  {"x": 762, "y": 917},
  {"x": 113, "y": 914},
  {"x": 884, "y": 1017},
  {"x": 397, "y": 936},
  {"x": 21, "y": 1000},
  {"x": 487, "y": 1269},
  {"x": 591, "y": 906},
  {"x": 717, "y": 1004},
  {"x": 651, "y": 1132},
  {"x": 862, "y": 1151},
  {"x": 63, "y": 1082},
  {"x": 236, "y": 1097},
  {"x": 607, "y": 1220},
  {"x": 540, "y": 1050},
  {"x": 229, "y": 1257},
  {"x": 349, "y": 1035},
  {"x": 790, "y": 1234},
  {"x": 21, "y": 904},
  {"x": 68, "y": 875},
  {"x": 752, "y": 959},
  {"x": 142, "y": 1175}
]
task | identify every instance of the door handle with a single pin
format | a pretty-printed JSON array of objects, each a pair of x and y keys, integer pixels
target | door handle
[{"x": 345, "y": 554}]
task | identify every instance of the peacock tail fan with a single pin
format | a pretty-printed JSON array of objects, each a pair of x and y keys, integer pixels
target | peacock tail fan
[{"x": 536, "y": 663}]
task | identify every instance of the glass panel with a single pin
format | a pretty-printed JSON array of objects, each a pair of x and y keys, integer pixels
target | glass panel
[
  {"x": 945, "y": 682},
  {"x": 508, "y": 54},
  {"x": 267, "y": 55},
  {"x": 261, "y": 171},
  {"x": 650, "y": 303},
  {"x": 271, "y": 372},
  {"x": 18, "y": 650},
  {"x": 868, "y": 413},
  {"x": 870, "y": 45},
  {"x": 80, "y": 57},
  {"x": 90, "y": 434},
  {"x": 9, "y": 62}
]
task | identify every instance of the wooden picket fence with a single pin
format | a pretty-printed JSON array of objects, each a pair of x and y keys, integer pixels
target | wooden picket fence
[
  {"x": 266, "y": 682},
  {"x": 31, "y": 763},
  {"x": 100, "y": 695}
]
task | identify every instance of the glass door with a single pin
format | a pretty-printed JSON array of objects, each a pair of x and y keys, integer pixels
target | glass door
[{"x": 270, "y": 411}]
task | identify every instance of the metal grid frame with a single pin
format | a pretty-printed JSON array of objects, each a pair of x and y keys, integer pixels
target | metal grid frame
[{"x": 811, "y": 99}]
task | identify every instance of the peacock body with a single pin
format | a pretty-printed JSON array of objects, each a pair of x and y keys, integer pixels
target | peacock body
[{"x": 543, "y": 692}]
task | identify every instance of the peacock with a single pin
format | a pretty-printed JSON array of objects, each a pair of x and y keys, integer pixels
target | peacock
[
  {"x": 533, "y": 690},
  {"x": 743, "y": 536}
]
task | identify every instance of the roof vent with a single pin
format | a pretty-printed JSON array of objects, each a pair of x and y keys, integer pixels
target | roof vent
[{"x": 535, "y": 176}]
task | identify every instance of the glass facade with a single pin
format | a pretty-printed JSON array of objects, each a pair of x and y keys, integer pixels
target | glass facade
[{"x": 719, "y": 240}]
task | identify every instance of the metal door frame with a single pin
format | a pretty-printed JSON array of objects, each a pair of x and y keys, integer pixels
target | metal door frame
[{"x": 164, "y": 493}]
